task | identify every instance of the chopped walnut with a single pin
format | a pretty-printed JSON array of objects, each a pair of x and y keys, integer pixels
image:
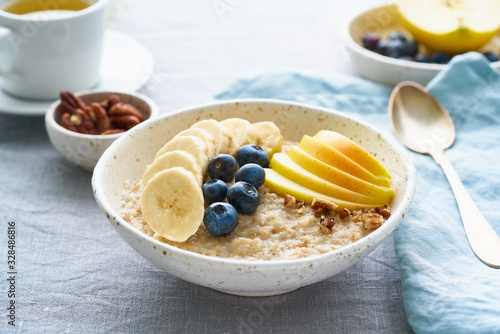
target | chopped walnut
[
  {"x": 344, "y": 214},
  {"x": 372, "y": 221},
  {"x": 356, "y": 218},
  {"x": 384, "y": 212},
  {"x": 319, "y": 212},
  {"x": 326, "y": 225},
  {"x": 300, "y": 204},
  {"x": 301, "y": 210},
  {"x": 290, "y": 201},
  {"x": 322, "y": 206}
]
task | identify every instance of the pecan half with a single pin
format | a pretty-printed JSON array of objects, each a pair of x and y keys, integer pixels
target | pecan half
[
  {"x": 384, "y": 212},
  {"x": 125, "y": 122},
  {"x": 344, "y": 214},
  {"x": 371, "y": 221},
  {"x": 102, "y": 121},
  {"x": 73, "y": 100},
  {"x": 122, "y": 109},
  {"x": 289, "y": 201},
  {"x": 112, "y": 131},
  {"x": 66, "y": 122},
  {"x": 86, "y": 126},
  {"x": 113, "y": 99},
  {"x": 322, "y": 206},
  {"x": 326, "y": 225},
  {"x": 66, "y": 108}
]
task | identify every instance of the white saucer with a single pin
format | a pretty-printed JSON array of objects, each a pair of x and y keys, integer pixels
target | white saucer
[{"x": 127, "y": 65}]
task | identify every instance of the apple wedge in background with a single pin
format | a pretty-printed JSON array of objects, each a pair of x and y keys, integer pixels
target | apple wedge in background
[
  {"x": 353, "y": 151},
  {"x": 453, "y": 27},
  {"x": 280, "y": 185},
  {"x": 283, "y": 165},
  {"x": 337, "y": 176}
]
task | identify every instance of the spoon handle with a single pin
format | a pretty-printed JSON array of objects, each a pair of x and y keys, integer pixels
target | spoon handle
[{"x": 482, "y": 237}]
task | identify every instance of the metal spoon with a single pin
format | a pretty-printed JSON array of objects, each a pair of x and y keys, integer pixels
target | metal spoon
[{"x": 424, "y": 126}]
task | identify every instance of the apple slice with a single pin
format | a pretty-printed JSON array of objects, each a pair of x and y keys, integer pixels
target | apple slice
[
  {"x": 453, "y": 27},
  {"x": 280, "y": 185},
  {"x": 336, "y": 176},
  {"x": 282, "y": 164},
  {"x": 353, "y": 151},
  {"x": 334, "y": 158}
]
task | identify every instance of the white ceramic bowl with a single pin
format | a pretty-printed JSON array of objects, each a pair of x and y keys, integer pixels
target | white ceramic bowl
[
  {"x": 128, "y": 156},
  {"x": 387, "y": 70},
  {"x": 82, "y": 149}
]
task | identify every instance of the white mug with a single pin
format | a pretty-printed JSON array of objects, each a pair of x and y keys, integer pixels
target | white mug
[{"x": 43, "y": 53}]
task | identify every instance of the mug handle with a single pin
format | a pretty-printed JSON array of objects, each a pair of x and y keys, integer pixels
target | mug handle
[{"x": 4, "y": 34}]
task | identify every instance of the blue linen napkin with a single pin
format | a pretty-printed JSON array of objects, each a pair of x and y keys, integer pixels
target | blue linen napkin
[{"x": 446, "y": 289}]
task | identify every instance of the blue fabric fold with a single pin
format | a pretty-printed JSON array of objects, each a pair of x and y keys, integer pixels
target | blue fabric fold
[{"x": 446, "y": 289}]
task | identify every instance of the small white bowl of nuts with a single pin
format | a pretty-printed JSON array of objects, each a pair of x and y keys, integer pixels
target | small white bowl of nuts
[{"x": 81, "y": 126}]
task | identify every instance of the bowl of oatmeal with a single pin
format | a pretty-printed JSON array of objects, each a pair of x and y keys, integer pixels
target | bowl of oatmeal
[{"x": 280, "y": 247}]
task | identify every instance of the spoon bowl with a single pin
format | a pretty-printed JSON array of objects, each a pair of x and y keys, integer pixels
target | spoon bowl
[
  {"x": 424, "y": 126},
  {"x": 419, "y": 120}
]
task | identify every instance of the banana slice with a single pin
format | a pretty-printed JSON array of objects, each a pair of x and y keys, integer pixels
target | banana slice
[
  {"x": 242, "y": 131},
  {"x": 218, "y": 132},
  {"x": 190, "y": 144},
  {"x": 172, "y": 204},
  {"x": 269, "y": 137},
  {"x": 204, "y": 135},
  {"x": 171, "y": 159}
]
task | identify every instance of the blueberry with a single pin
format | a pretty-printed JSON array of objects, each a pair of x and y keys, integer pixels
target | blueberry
[
  {"x": 422, "y": 58},
  {"x": 251, "y": 173},
  {"x": 396, "y": 36},
  {"x": 252, "y": 153},
  {"x": 222, "y": 167},
  {"x": 382, "y": 46},
  {"x": 214, "y": 191},
  {"x": 440, "y": 58},
  {"x": 220, "y": 219},
  {"x": 411, "y": 48},
  {"x": 370, "y": 40},
  {"x": 395, "y": 49},
  {"x": 491, "y": 56},
  {"x": 244, "y": 197}
]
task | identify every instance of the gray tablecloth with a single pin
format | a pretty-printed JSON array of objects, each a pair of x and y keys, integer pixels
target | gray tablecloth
[{"x": 73, "y": 273}]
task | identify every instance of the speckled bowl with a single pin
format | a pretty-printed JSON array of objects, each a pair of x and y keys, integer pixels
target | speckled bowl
[
  {"x": 127, "y": 157},
  {"x": 85, "y": 150},
  {"x": 387, "y": 70}
]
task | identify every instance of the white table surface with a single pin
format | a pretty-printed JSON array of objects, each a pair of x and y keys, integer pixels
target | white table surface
[{"x": 75, "y": 274}]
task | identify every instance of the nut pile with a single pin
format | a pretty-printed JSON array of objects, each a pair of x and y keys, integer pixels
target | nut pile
[{"x": 107, "y": 117}]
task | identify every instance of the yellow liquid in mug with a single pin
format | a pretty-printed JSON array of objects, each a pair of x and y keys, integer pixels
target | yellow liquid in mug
[{"x": 21, "y": 7}]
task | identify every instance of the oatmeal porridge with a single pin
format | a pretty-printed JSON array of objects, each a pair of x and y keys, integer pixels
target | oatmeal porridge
[{"x": 282, "y": 227}]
